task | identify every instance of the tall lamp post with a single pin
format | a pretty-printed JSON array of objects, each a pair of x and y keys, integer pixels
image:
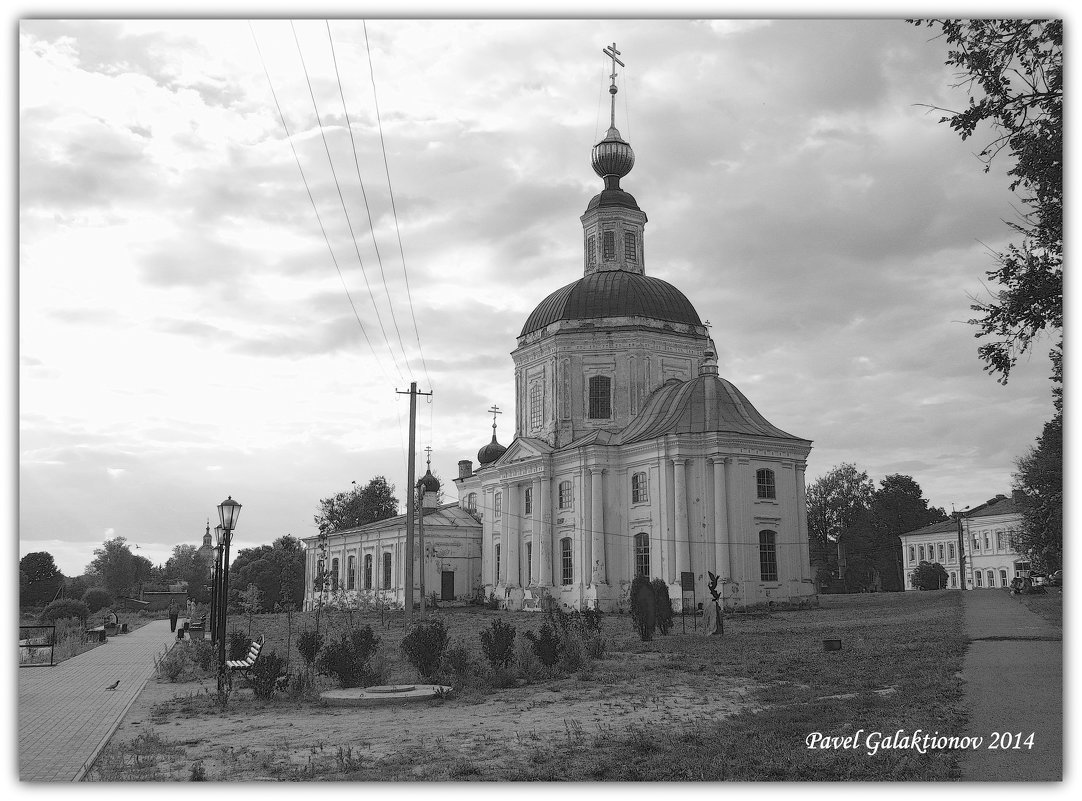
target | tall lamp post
[
  {"x": 228, "y": 511},
  {"x": 216, "y": 584}
]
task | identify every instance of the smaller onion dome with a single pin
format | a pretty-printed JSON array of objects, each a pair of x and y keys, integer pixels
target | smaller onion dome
[
  {"x": 428, "y": 482},
  {"x": 612, "y": 158},
  {"x": 491, "y": 452}
]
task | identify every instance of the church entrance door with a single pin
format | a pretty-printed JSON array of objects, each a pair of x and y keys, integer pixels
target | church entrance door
[{"x": 447, "y": 585}]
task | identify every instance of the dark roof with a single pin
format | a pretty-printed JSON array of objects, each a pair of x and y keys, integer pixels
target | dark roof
[
  {"x": 706, "y": 403},
  {"x": 614, "y": 293},
  {"x": 490, "y": 453},
  {"x": 942, "y": 527},
  {"x": 429, "y": 482},
  {"x": 613, "y": 197},
  {"x": 999, "y": 505}
]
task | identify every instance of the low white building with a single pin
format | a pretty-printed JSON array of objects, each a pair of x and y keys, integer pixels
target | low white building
[
  {"x": 368, "y": 562},
  {"x": 987, "y": 543}
]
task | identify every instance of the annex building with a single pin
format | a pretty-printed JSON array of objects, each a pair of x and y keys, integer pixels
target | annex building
[
  {"x": 991, "y": 561},
  {"x": 631, "y": 454}
]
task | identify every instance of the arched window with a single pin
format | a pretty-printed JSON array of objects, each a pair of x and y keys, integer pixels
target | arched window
[
  {"x": 939, "y": 551},
  {"x": 471, "y": 503},
  {"x": 768, "y": 556},
  {"x": 567, "y": 495},
  {"x": 977, "y": 578},
  {"x": 497, "y": 505},
  {"x": 764, "y": 483},
  {"x": 351, "y": 576},
  {"x": 638, "y": 488},
  {"x": 527, "y": 501},
  {"x": 642, "y": 554},
  {"x": 591, "y": 251},
  {"x": 387, "y": 570},
  {"x": 920, "y": 550},
  {"x": 368, "y": 571},
  {"x": 912, "y": 554},
  {"x": 600, "y": 397},
  {"x": 567, "y": 566},
  {"x": 334, "y": 575}
]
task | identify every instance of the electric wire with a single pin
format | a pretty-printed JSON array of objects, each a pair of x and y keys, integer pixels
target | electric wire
[
  {"x": 364, "y": 195},
  {"x": 315, "y": 208},
  {"x": 394, "y": 211},
  {"x": 342, "y": 200}
]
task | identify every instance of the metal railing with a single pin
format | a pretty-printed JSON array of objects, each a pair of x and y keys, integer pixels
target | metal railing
[{"x": 33, "y": 643}]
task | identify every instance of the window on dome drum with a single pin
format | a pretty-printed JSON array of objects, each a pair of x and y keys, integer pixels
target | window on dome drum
[
  {"x": 764, "y": 484},
  {"x": 496, "y": 579},
  {"x": 351, "y": 576},
  {"x": 537, "y": 406},
  {"x": 912, "y": 554},
  {"x": 387, "y": 570},
  {"x": 608, "y": 245},
  {"x": 629, "y": 245},
  {"x": 527, "y": 501},
  {"x": 567, "y": 495},
  {"x": 566, "y": 565},
  {"x": 600, "y": 397},
  {"x": 642, "y": 554},
  {"x": 529, "y": 563},
  {"x": 768, "y": 556},
  {"x": 334, "y": 575},
  {"x": 591, "y": 252},
  {"x": 497, "y": 505},
  {"x": 368, "y": 571}
]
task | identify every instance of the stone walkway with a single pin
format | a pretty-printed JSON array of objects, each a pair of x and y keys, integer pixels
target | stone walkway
[
  {"x": 1013, "y": 670},
  {"x": 66, "y": 716}
]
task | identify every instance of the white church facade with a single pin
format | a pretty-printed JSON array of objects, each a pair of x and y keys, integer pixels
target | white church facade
[{"x": 631, "y": 454}]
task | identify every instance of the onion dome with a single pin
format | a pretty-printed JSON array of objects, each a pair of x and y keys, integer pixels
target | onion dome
[
  {"x": 428, "y": 482},
  {"x": 612, "y": 158},
  {"x": 491, "y": 452},
  {"x": 614, "y": 293}
]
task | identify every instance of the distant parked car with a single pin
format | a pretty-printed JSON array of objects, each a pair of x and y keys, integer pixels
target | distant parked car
[{"x": 1056, "y": 579}]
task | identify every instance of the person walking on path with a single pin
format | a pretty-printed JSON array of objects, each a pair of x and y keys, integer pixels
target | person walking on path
[
  {"x": 174, "y": 612},
  {"x": 1013, "y": 672}
]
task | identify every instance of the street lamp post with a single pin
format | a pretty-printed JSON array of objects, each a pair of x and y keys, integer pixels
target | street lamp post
[
  {"x": 228, "y": 511},
  {"x": 216, "y": 584}
]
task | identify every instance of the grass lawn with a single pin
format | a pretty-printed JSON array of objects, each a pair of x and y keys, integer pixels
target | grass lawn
[
  {"x": 1048, "y": 605},
  {"x": 685, "y": 706}
]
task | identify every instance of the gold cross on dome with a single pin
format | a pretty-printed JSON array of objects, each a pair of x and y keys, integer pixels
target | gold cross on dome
[
  {"x": 612, "y": 53},
  {"x": 495, "y": 410}
]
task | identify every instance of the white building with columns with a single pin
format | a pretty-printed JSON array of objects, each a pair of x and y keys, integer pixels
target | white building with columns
[{"x": 631, "y": 454}]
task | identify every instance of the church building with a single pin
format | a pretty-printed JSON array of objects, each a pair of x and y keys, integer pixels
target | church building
[{"x": 631, "y": 454}]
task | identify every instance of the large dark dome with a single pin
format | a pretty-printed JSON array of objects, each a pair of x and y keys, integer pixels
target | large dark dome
[{"x": 614, "y": 293}]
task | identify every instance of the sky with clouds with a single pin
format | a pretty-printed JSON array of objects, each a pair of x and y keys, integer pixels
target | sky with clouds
[{"x": 186, "y": 333}]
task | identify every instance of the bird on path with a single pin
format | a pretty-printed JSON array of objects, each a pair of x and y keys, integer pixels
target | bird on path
[{"x": 114, "y": 685}]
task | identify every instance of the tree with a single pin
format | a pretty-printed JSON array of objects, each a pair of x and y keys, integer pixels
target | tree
[
  {"x": 360, "y": 505},
  {"x": 930, "y": 576},
  {"x": 838, "y": 515},
  {"x": 190, "y": 565},
  {"x": 1038, "y": 489},
  {"x": 1013, "y": 71},
  {"x": 43, "y": 577},
  {"x": 266, "y": 567},
  {"x": 897, "y": 506},
  {"x": 116, "y": 566}
]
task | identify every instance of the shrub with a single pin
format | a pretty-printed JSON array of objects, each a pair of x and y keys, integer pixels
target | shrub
[
  {"x": 930, "y": 576},
  {"x": 424, "y": 644},
  {"x": 238, "y": 644},
  {"x": 308, "y": 645},
  {"x": 492, "y": 603},
  {"x": 573, "y": 656},
  {"x": 97, "y": 598},
  {"x": 498, "y": 642},
  {"x": 643, "y": 607},
  {"x": 546, "y": 645},
  {"x": 662, "y": 606},
  {"x": 527, "y": 664},
  {"x": 202, "y": 653},
  {"x": 173, "y": 663},
  {"x": 63, "y": 608},
  {"x": 459, "y": 667},
  {"x": 347, "y": 658},
  {"x": 264, "y": 674}
]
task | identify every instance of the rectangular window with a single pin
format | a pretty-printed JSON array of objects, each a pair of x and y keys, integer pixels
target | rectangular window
[
  {"x": 537, "y": 405},
  {"x": 591, "y": 252},
  {"x": 912, "y": 554},
  {"x": 939, "y": 551},
  {"x": 999, "y": 539},
  {"x": 920, "y": 550},
  {"x": 497, "y": 579},
  {"x": 368, "y": 571},
  {"x": 600, "y": 397},
  {"x": 334, "y": 575},
  {"x": 351, "y": 577},
  {"x": 608, "y": 246},
  {"x": 566, "y": 565},
  {"x": 497, "y": 505},
  {"x": 642, "y": 554},
  {"x": 976, "y": 543},
  {"x": 638, "y": 488},
  {"x": 567, "y": 496},
  {"x": 954, "y": 580},
  {"x": 629, "y": 246},
  {"x": 977, "y": 577},
  {"x": 527, "y": 501},
  {"x": 764, "y": 484},
  {"x": 768, "y": 556},
  {"x": 950, "y": 551},
  {"x": 387, "y": 570},
  {"x": 987, "y": 542}
]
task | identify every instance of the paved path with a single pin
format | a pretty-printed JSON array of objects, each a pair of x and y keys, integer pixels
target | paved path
[
  {"x": 1014, "y": 683},
  {"x": 65, "y": 713}
]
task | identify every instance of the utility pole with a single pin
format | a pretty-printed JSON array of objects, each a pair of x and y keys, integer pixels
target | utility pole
[
  {"x": 961, "y": 549},
  {"x": 410, "y": 503}
]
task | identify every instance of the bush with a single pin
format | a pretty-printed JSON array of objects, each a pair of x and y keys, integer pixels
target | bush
[
  {"x": 97, "y": 598},
  {"x": 498, "y": 643},
  {"x": 424, "y": 644},
  {"x": 347, "y": 659},
  {"x": 203, "y": 654},
  {"x": 238, "y": 645},
  {"x": 527, "y": 664},
  {"x": 173, "y": 664},
  {"x": 643, "y": 607},
  {"x": 63, "y": 608},
  {"x": 930, "y": 576},
  {"x": 546, "y": 645},
  {"x": 573, "y": 656},
  {"x": 458, "y": 666},
  {"x": 308, "y": 645},
  {"x": 264, "y": 674},
  {"x": 662, "y": 606}
]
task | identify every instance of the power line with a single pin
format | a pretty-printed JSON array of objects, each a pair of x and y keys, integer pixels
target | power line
[
  {"x": 342, "y": 200},
  {"x": 312, "y": 200},
  {"x": 364, "y": 195},
  {"x": 394, "y": 211}
]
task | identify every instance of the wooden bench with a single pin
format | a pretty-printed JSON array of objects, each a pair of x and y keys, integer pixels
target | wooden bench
[
  {"x": 199, "y": 629},
  {"x": 97, "y": 633},
  {"x": 243, "y": 666}
]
